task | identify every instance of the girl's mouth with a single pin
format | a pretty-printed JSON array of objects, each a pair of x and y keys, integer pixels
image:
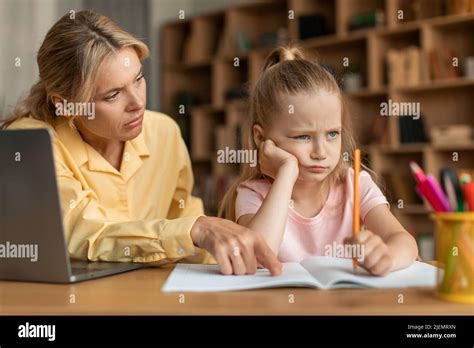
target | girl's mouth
[{"x": 316, "y": 169}]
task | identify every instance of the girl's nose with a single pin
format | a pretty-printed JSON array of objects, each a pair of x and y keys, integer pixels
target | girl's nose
[
  {"x": 317, "y": 156},
  {"x": 318, "y": 151}
]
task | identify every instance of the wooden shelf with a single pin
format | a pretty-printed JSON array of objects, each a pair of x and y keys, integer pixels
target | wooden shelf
[
  {"x": 401, "y": 149},
  {"x": 454, "y": 147},
  {"x": 437, "y": 85},
  {"x": 452, "y": 20},
  {"x": 368, "y": 93},
  {"x": 434, "y": 85},
  {"x": 335, "y": 39},
  {"x": 421, "y": 147},
  {"x": 250, "y": 31},
  {"x": 400, "y": 29}
]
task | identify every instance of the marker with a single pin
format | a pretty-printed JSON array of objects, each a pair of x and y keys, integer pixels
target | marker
[
  {"x": 469, "y": 195},
  {"x": 468, "y": 191},
  {"x": 429, "y": 189},
  {"x": 452, "y": 187}
]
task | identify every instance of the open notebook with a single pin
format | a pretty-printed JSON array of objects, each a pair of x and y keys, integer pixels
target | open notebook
[{"x": 314, "y": 272}]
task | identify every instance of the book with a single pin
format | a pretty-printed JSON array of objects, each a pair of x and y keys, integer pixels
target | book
[
  {"x": 412, "y": 65},
  {"x": 400, "y": 186},
  {"x": 395, "y": 67},
  {"x": 367, "y": 20},
  {"x": 404, "y": 66},
  {"x": 412, "y": 130},
  {"x": 441, "y": 63},
  {"x": 314, "y": 272}
]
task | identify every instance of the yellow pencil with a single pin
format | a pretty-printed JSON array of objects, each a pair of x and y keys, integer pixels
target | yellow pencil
[{"x": 355, "y": 223}]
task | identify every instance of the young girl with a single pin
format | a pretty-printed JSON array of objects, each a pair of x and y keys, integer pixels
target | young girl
[{"x": 300, "y": 196}]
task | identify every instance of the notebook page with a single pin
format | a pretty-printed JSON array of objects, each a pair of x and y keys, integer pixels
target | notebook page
[
  {"x": 196, "y": 277},
  {"x": 338, "y": 273}
]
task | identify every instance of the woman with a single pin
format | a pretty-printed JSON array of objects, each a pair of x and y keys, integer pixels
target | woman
[{"x": 123, "y": 172}]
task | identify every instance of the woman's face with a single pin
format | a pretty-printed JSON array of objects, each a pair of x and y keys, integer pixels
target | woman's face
[
  {"x": 120, "y": 99},
  {"x": 312, "y": 133}
]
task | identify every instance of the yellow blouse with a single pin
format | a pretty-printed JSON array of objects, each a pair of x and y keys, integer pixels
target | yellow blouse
[{"x": 142, "y": 213}]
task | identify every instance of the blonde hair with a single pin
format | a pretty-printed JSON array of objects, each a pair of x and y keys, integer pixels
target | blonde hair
[
  {"x": 68, "y": 62},
  {"x": 287, "y": 71}
]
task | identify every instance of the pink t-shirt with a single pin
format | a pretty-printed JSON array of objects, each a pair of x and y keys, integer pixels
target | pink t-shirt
[{"x": 304, "y": 236}]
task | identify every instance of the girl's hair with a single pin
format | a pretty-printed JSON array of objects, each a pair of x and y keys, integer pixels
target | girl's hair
[
  {"x": 68, "y": 62},
  {"x": 288, "y": 71}
]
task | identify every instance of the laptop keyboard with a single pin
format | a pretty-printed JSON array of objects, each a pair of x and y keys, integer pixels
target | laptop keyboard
[{"x": 86, "y": 267}]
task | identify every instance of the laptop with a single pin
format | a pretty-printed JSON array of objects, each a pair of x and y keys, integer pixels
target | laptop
[{"x": 32, "y": 240}]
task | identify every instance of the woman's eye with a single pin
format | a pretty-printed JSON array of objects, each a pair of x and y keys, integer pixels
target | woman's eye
[
  {"x": 112, "y": 97},
  {"x": 333, "y": 135},
  {"x": 302, "y": 137},
  {"x": 140, "y": 77}
]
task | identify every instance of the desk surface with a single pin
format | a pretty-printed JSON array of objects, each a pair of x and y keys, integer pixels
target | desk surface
[{"x": 138, "y": 293}]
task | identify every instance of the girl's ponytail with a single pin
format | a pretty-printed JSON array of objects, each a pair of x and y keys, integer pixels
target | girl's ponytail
[{"x": 282, "y": 54}]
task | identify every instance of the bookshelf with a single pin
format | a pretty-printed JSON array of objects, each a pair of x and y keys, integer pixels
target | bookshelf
[{"x": 211, "y": 60}]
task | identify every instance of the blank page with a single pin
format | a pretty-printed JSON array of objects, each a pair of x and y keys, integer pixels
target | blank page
[
  {"x": 337, "y": 272},
  {"x": 196, "y": 277}
]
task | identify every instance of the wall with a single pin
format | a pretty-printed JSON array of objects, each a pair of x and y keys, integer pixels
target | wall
[{"x": 24, "y": 23}]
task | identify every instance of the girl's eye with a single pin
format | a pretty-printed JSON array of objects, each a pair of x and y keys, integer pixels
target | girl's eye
[
  {"x": 333, "y": 135},
  {"x": 112, "y": 97},
  {"x": 302, "y": 137}
]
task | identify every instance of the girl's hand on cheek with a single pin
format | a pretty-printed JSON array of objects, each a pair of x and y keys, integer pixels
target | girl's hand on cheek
[
  {"x": 376, "y": 258},
  {"x": 273, "y": 159}
]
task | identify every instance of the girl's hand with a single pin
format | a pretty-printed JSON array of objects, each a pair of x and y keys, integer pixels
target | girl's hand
[
  {"x": 375, "y": 253},
  {"x": 272, "y": 159}
]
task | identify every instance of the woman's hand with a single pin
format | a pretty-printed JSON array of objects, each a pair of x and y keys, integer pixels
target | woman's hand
[
  {"x": 236, "y": 248},
  {"x": 273, "y": 159},
  {"x": 375, "y": 256}
]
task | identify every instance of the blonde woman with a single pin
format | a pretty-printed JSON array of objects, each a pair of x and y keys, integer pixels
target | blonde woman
[{"x": 123, "y": 172}]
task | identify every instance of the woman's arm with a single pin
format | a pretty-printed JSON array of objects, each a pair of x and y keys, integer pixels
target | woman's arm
[
  {"x": 270, "y": 219},
  {"x": 185, "y": 235}
]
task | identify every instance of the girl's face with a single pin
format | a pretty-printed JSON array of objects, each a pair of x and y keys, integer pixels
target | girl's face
[
  {"x": 310, "y": 129},
  {"x": 120, "y": 98}
]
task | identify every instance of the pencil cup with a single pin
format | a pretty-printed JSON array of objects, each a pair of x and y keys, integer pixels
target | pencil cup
[{"x": 454, "y": 243}]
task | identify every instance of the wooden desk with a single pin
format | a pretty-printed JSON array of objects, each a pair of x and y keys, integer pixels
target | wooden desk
[{"x": 138, "y": 293}]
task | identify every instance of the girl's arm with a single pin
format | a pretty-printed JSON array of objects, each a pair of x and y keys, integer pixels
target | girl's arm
[
  {"x": 387, "y": 246},
  {"x": 270, "y": 219},
  {"x": 401, "y": 245}
]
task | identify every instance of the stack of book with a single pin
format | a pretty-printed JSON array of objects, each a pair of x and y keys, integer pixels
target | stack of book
[
  {"x": 441, "y": 64},
  {"x": 404, "y": 67},
  {"x": 411, "y": 130}
]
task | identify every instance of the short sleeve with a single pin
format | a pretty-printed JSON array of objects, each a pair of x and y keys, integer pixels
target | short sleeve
[
  {"x": 370, "y": 194},
  {"x": 248, "y": 201}
]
